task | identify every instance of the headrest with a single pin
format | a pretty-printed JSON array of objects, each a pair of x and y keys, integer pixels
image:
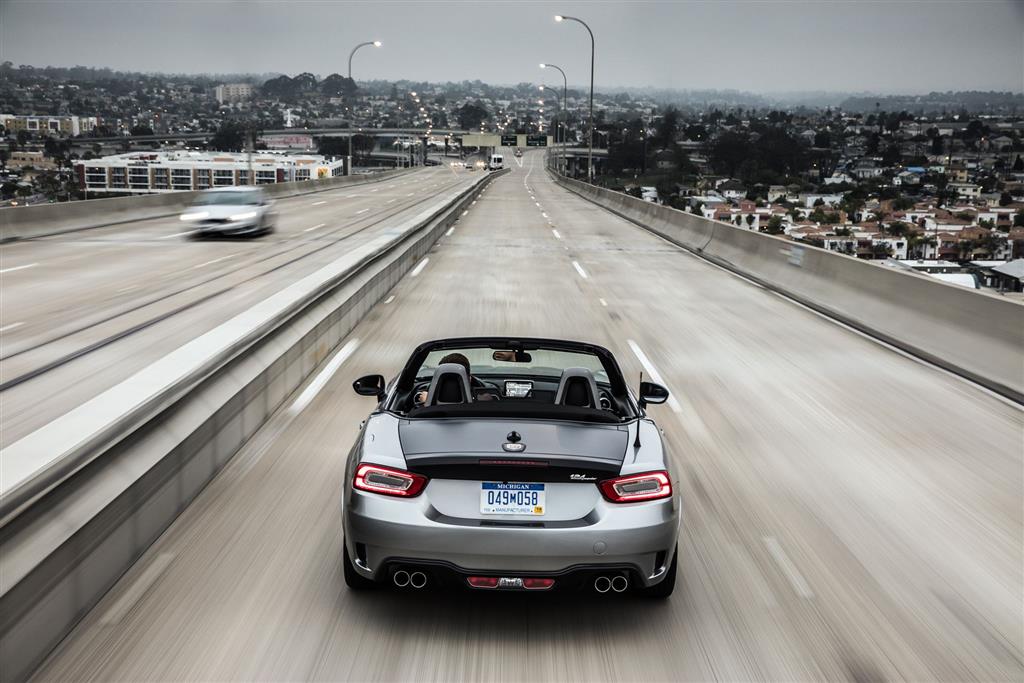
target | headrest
[
  {"x": 577, "y": 388},
  {"x": 449, "y": 385}
]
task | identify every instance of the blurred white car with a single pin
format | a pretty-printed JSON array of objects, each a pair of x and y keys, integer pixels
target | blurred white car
[{"x": 244, "y": 210}]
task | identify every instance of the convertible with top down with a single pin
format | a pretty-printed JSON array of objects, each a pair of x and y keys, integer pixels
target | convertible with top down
[{"x": 514, "y": 464}]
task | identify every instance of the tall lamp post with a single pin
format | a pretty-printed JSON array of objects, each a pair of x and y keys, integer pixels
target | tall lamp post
[
  {"x": 375, "y": 43},
  {"x": 557, "y": 124},
  {"x": 565, "y": 111},
  {"x": 590, "y": 122}
]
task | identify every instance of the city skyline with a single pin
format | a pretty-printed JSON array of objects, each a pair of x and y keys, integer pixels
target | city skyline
[{"x": 909, "y": 48}]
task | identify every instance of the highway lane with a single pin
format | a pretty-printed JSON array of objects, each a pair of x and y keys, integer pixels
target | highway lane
[
  {"x": 165, "y": 292},
  {"x": 849, "y": 513}
]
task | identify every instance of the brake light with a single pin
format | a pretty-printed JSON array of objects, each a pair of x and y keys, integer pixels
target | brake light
[
  {"x": 533, "y": 584},
  {"x": 637, "y": 487},
  {"x": 389, "y": 481}
]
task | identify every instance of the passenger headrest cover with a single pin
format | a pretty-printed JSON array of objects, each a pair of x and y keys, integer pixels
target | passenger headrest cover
[
  {"x": 577, "y": 388},
  {"x": 450, "y": 384}
]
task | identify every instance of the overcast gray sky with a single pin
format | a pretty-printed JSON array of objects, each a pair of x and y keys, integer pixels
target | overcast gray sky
[{"x": 767, "y": 46}]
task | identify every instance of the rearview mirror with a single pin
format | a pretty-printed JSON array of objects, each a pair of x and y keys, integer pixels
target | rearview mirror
[
  {"x": 652, "y": 393},
  {"x": 512, "y": 356},
  {"x": 370, "y": 385}
]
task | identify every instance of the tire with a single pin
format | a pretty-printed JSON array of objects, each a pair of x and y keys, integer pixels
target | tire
[
  {"x": 353, "y": 579},
  {"x": 664, "y": 589}
]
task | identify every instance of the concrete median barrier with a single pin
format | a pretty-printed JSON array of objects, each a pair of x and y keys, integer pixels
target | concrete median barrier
[
  {"x": 84, "y": 496},
  {"x": 976, "y": 334},
  {"x": 43, "y": 220}
]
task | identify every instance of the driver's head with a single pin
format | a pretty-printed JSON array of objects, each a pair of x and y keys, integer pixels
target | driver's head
[{"x": 457, "y": 358}]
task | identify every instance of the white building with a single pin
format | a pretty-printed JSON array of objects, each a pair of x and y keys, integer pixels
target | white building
[
  {"x": 60, "y": 125},
  {"x": 156, "y": 172},
  {"x": 233, "y": 92}
]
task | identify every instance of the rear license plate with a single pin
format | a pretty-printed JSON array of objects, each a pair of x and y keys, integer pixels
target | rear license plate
[{"x": 511, "y": 499}]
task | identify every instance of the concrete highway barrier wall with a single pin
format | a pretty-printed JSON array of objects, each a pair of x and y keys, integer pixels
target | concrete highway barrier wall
[
  {"x": 973, "y": 333},
  {"x": 84, "y": 496},
  {"x": 41, "y": 220}
]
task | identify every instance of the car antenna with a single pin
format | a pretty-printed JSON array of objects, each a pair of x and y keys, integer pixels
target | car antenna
[{"x": 636, "y": 441}]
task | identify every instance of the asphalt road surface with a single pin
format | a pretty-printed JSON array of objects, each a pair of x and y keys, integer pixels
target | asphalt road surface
[
  {"x": 850, "y": 513},
  {"x": 130, "y": 293}
]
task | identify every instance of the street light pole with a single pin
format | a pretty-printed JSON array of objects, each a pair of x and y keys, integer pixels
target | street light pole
[
  {"x": 565, "y": 110},
  {"x": 375, "y": 43},
  {"x": 590, "y": 123},
  {"x": 557, "y": 124}
]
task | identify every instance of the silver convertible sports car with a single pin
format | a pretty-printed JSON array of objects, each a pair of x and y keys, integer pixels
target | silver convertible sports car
[{"x": 511, "y": 464}]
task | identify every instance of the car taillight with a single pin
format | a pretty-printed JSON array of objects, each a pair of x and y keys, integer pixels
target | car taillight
[
  {"x": 637, "y": 487},
  {"x": 534, "y": 584},
  {"x": 390, "y": 482}
]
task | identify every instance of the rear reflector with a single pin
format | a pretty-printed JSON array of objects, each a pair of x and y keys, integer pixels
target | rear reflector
[
  {"x": 483, "y": 581},
  {"x": 538, "y": 584}
]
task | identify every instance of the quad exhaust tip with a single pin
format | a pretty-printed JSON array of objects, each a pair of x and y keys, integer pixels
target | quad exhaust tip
[
  {"x": 602, "y": 584},
  {"x": 620, "y": 583},
  {"x": 417, "y": 579},
  {"x": 401, "y": 578}
]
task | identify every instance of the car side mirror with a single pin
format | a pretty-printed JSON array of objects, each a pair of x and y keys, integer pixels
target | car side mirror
[
  {"x": 370, "y": 385},
  {"x": 652, "y": 393}
]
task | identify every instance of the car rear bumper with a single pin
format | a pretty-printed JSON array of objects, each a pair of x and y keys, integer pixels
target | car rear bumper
[
  {"x": 228, "y": 228},
  {"x": 382, "y": 532}
]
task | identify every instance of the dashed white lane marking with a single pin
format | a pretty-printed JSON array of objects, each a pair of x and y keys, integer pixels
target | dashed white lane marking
[
  {"x": 653, "y": 373},
  {"x": 579, "y": 269},
  {"x": 375, "y": 189},
  {"x": 390, "y": 200},
  {"x": 322, "y": 201},
  {"x": 796, "y": 579},
  {"x": 314, "y": 387},
  {"x": 127, "y": 289},
  {"x": 389, "y": 299},
  {"x": 543, "y": 214},
  {"x": 361, "y": 211},
  {"x": 315, "y": 227},
  {"x": 8, "y": 328},
  {"x": 603, "y": 302},
  {"x": 557, "y": 235},
  {"x": 137, "y": 590},
  {"x": 176, "y": 234},
  {"x": 538, "y": 204},
  {"x": 410, "y": 194},
  {"x": 450, "y": 231},
  {"x": 216, "y": 260},
  {"x": 465, "y": 212},
  {"x": 11, "y": 270},
  {"x": 419, "y": 267}
]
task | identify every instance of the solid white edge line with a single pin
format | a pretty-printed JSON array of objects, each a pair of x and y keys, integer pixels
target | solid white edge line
[
  {"x": 216, "y": 260},
  {"x": 419, "y": 267},
  {"x": 11, "y": 270},
  {"x": 7, "y": 328},
  {"x": 323, "y": 201},
  {"x": 322, "y": 377},
  {"x": 361, "y": 211},
  {"x": 796, "y": 579},
  {"x": 579, "y": 269},
  {"x": 653, "y": 373},
  {"x": 389, "y": 299},
  {"x": 177, "y": 234},
  {"x": 315, "y": 227}
]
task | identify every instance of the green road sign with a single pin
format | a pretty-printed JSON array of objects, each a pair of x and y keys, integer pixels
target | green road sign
[
  {"x": 509, "y": 140},
  {"x": 536, "y": 140}
]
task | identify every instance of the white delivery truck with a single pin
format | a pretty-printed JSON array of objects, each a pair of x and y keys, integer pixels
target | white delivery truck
[{"x": 497, "y": 161}]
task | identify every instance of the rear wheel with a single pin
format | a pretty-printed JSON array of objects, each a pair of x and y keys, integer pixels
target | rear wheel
[
  {"x": 354, "y": 579},
  {"x": 664, "y": 589}
]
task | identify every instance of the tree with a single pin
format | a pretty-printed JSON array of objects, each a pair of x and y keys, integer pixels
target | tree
[
  {"x": 1018, "y": 219},
  {"x": 774, "y": 226},
  {"x": 667, "y": 128},
  {"x": 337, "y": 85},
  {"x": 230, "y": 137},
  {"x": 897, "y": 229},
  {"x": 750, "y": 219},
  {"x": 141, "y": 129},
  {"x": 1018, "y": 165},
  {"x": 936, "y": 147},
  {"x": 471, "y": 115}
]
